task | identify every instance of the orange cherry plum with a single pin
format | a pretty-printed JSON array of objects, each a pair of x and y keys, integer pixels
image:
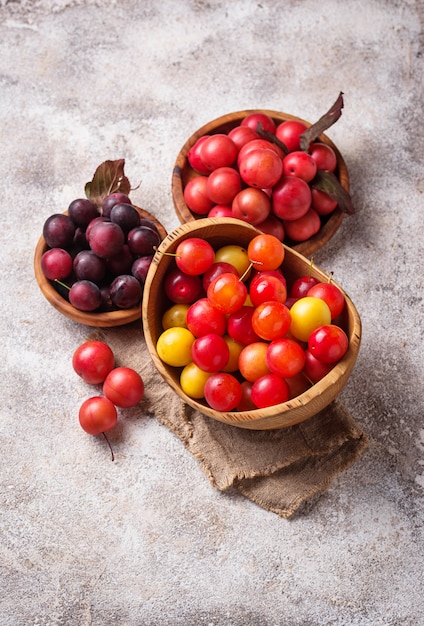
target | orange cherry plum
[
  {"x": 227, "y": 293},
  {"x": 271, "y": 320},
  {"x": 285, "y": 357},
  {"x": 265, "y": 252},
  {"x": 252, "y": 361}
]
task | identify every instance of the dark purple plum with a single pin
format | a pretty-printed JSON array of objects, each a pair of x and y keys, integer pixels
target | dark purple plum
[
  {"x": 85, "y": 295},
  {"x": 143, "y": 240},
  {"x": 82, "y": 211},
  {"x": 106, "y": 239},
  {"x": 80, "y": 239},
  {"x": 125, "y": 291},
  {"x": 88, "y": 266},
  {"x": 112, "y": 199},
  {"x": 91, "y": 225},
  {"x": 145, "y": 221},
  {"x": 126, "y": 216},
  {"x": 106, "y": 304},
  {"x": 121, "y": 263},
  {"x": 59, "y": 231},
  {"x": 140, "y": 267}
]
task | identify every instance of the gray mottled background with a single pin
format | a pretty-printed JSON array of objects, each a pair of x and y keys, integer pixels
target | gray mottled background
[{"x": 146, "y": 541}]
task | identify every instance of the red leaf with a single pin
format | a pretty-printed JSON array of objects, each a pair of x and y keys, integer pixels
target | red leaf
[
  {"x": 330, "y": 184},
  {"x": 108, "y": 178},
  {"x": 324, "y": 122}
]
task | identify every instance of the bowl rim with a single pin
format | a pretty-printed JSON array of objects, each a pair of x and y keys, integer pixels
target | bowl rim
[
  {"x": 330, "y": 225},
  {"x": 278, "y": 416},
  {"x": 104, "y": 319}
]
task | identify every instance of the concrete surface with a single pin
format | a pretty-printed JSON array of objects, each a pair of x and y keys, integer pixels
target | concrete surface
[{"x": 146, "y": 541}]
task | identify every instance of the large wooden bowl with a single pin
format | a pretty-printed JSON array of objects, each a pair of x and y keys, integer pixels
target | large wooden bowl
[
  {"x": 182, "y": 173},
  {"x": 219, "y": 232},
  {"x": 102, "y": 319}
]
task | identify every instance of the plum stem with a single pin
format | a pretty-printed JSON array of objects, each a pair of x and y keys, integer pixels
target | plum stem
[
  {"x": 110, "y": 447},
  {"x": 246, "y": 271},
  {"x": 59, "y": 282}
]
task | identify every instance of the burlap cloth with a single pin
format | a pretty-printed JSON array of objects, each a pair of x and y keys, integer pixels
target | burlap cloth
[{"x": 279, "y": 470}]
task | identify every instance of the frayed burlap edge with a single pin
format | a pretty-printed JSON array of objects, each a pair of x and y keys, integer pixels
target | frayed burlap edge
[{"x": 281, "y": 487}]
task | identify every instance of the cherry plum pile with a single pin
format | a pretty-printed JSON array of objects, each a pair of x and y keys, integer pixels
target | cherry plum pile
[
  {"x": 258, "y": 172},
  {"x": 241, "y": 336},
  {"x": 97, "y": 257},
  {"x": 122, "y": 387}
]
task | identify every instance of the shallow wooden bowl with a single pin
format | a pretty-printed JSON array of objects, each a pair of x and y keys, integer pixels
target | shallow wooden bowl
[
  {"x": 102, "y": 319},
  {"x": 220, "y": 232},
  {"x": 182, "y": 173}
]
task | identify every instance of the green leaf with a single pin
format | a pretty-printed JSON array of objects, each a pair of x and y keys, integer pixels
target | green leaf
[
  {"x": 330, "y": 184},
  {"x": 324, "y": 122},
  {"x": 266, "y": 134},
  {"x": 108, "y": 178}
]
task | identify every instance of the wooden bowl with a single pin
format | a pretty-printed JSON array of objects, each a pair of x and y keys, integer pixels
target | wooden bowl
[
  {"x": 182, "y": 173},
  {"x": 102, "y": 319},
  {"x": 220, "y": 232}
]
